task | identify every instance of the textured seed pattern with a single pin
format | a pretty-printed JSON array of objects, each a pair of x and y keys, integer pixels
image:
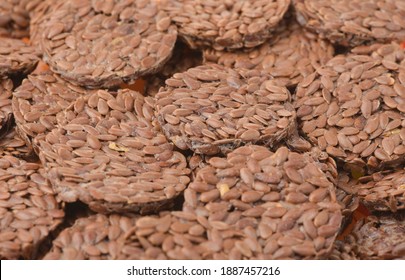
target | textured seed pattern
[
  {"x": 106, "y": 152},
  {"x": 227, "y": 24},
  {"x": 353, "y": 107},
  {"x": 388, "y": 237},
  {"x": 88, "y": 171},
  {"x": 12, "y": 144},
  {"x": 172, "y": 235},
  {"x": 259, "y": 204},
  {"x": 353, "y": 22},
  {"x": 383, "y": 191},
  {"x": 16, "y": 57},
  {"x": 6, "y": 87},
  {"x": 95, "y": 237},
  {"x": 104, "y": 43},
  {"x": 38, "y": 101},
  {"x": 211, "y": 109},
  {"x": 291, "y": 54},
  {"x": 169, "y": 235},
  {"x": 39, "y": 17},
  {"x": 183, "y": 58},
  {"x": 28, "y": 208},
  {"x": 14, "y": 17}
]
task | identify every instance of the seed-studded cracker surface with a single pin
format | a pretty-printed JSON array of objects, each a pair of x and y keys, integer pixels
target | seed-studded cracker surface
[
  {"x": 106, "y": 152},
  {"x": 353, "y": 22},
  {"x": 105, "y": 43},
  {"x": 229, "y": 24},
  {"x": 28, "y": 208},
  {"x": 258, "y": 204},
  {"x": 16, "y": 57},
  {"x": 14, "y": 17},
  {"x": 183, "y": 59},
  {"x": 354, "y": 107},
  {"x": 175, "y": 235},
  {"x": 291, "y": 54},
  {"x": 38, "y": 101}
]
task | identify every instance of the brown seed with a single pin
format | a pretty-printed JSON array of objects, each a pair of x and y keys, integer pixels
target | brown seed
[
  {"x": 250, "y": 135},
  {"x": 318, "y": 195},
  {"x": 327, "y": 230},
  {"x": 335, "y": 152},
  {"x": 247, "y": 176},
  {"x": 360, "y": 147},
  {"x": 251, "y": 196}
]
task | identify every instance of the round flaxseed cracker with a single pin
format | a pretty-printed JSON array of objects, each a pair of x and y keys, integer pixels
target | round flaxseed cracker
[
  {"x": 229, "y": 24},
  {"x": 105, "y": 43},
  {"x": 29, "y": 211},
  {"x": 106, "y": 152},
  {"x": 6, "y": 112},
  {"x": 354, "y": 107},
  {"x": 291, "y": 54},
  {"x": 16, "y": 57},
  {"x": 383, "y": 191},
  {"x": 265, "y": 205},
  {"x": 37, "y": 102},
  {"x": 380, "y": 237},
  {"x": 211, "y": 109},
  {"x": 353, "y": 22}
]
